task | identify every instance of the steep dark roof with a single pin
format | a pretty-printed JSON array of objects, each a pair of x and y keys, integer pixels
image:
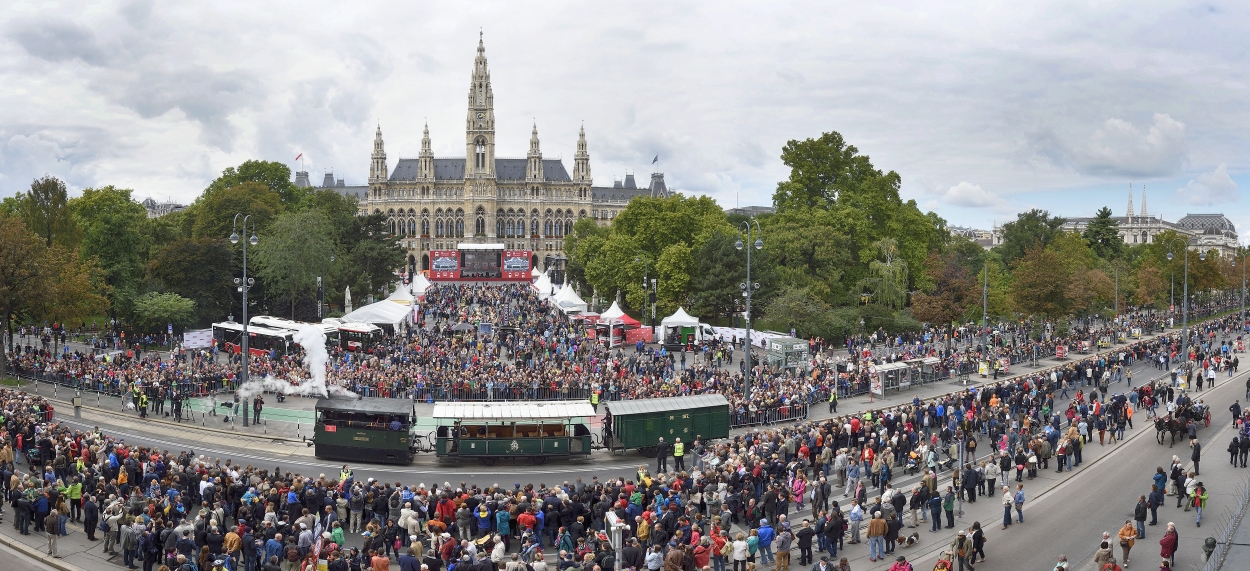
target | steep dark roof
[
  {"x": 505, "y": 169},
  {"x": 609, "y": 193},
  {"x": 366, "y": 405}
]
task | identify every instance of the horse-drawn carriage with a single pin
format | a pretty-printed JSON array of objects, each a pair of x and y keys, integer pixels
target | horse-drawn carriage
[{"x": 1178, "y": 422}]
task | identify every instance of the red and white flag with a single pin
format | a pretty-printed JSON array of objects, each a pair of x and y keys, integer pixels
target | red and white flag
[{"x": 300, "y": 155}]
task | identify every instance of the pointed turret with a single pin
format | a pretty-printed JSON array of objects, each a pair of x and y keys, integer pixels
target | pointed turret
[
  {"x": 581, "y": 159},
  {"x": 480, "y": 123},
  {"x": 534, "y": 166},
  {"x": 377, "y": 168},
  {"x": 425, "y": 163},
  {"x": 1130, "y": 201},
  {"x": 1144, "y": 213}
]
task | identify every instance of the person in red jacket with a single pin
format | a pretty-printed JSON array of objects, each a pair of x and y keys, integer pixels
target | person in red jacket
[{"x": 1169, "y": 543}]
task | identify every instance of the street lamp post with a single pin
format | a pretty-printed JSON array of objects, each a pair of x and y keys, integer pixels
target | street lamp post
[
  {"x": 244, "y": 283},
  {"x": 321, "y": 289},
  {"x": 1241, "y": 326},
  {"x": 747, "y": 288},
  {"x": 1184, "y": 295},
  {"x": 648, "y": 286}
]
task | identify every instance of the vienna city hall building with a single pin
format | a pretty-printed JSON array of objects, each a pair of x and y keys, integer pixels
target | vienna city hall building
[{"x": 436, "y": 203}]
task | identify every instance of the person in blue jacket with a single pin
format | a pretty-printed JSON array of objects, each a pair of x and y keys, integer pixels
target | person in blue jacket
[
  {"x": 766, "y": 535},
  {"x": 482, "y": 517}
]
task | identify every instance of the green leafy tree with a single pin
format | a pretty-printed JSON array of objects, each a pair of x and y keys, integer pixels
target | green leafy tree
[
  {"x": 1103, "y": 235},
  {"x": 888, "y": 276},
  {"x": 213, "y": 213},
  {"x": 276, "y": 176},
  {"x": 1040, "y": 282},
  {"x": 584, "y": 230},
  {"x": 45, "y": 209},
  {"x": 153, "y": 311},
  {"x": 797, "y": 308},
  {"x": 809, "y": 249},
  {"x": 821, "y": 170},
  {"x": 369, "y": 255},
  {"x": 199, "y": 269},
  {"x": 953, "y": 292},
  {"x": 21, "y": 270},
  {"x": 111, "y": 226},
  {"x": 1032, "y": 228},
  {"x": 291, "y": 254},
  {"x": 721, "y": 270}
]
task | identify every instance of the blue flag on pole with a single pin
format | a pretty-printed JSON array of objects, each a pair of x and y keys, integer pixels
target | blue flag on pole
[{"x": 656, "y": 159}]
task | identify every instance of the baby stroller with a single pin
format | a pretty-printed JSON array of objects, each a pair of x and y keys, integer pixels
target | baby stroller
[
  {"x": 913, "y": 464},
  {"x": 943, "y": 562}
]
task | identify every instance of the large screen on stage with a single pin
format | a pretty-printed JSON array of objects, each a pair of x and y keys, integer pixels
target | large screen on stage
[{"x": 479, "y": 264}]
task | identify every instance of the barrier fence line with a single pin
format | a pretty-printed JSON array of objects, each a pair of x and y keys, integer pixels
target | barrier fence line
[{"x": 1225, "y": 537}]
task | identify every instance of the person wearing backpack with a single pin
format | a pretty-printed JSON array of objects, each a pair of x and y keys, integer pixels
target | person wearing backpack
[{"x": 962, "y": 550}]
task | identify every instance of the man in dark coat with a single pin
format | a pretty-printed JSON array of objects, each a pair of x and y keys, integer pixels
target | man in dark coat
[
  {"x": 91, "y": 517},
  {"x": 661, "y": 456}
]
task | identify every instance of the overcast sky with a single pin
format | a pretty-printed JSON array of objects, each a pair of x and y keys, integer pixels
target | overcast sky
[{"x": 984, "y": 108}]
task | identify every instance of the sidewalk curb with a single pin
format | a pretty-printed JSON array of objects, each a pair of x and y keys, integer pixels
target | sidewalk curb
[
  {"x": 37, "y": 555},
  {"x": 267, "y": 437}
]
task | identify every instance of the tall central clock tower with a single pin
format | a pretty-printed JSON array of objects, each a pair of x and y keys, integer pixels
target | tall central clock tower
[{"x": 479, "y": 165}]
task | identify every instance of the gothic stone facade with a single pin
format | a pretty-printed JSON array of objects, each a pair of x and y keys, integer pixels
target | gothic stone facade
[{"x": 437, "y": 203}]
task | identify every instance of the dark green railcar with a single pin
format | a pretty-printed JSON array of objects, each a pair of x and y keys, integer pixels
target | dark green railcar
[
  {"x": 361, "y": 429},
  {"x": 639, "y": 424},
  {"x": 536, "y": 431}
]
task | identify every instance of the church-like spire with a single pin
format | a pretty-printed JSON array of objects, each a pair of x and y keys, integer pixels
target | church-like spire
[
  {"x": 1144, "y": 214},
  {"x": 425, "y": 161},
  {"x": 534, "y": 164},
  {"x": 1130, "y": 201},
  {"x": 581, "y": 159},
  {"x": 377, "y": 167}
]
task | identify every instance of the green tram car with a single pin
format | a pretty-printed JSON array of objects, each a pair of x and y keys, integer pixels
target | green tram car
[
  {"x": 534, "y": 430},
  {"x": 362, "y": 429},
  {"x": 639, "y": 424}
]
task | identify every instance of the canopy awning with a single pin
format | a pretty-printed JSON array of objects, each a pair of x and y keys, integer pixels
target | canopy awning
[
  {"x": 513, "y": 411},
  {"x": 680, "y": 319}
]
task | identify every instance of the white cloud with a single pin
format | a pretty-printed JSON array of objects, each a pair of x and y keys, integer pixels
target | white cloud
[
  {"x": 972, "y": 195},
  {"x": 1210, "y": 189},
  {"x": 1120, "y": 148},
  {"x": 170, "y": 94}
]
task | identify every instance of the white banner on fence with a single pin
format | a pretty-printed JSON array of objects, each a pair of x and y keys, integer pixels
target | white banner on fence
[
  {"x": 737, "y": 333},
  {"x": 198, "y": 339}
]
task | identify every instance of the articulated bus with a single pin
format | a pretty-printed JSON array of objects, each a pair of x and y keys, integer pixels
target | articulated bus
[
  {"x": 228, "y": 336},
  {"x": 331, "y": 331}
]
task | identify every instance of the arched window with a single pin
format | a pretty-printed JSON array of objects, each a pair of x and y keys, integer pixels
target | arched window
[
  {"x": 438, "y": 228},
  {"x": 412, "y": 227},
  {"x": 392, "y": 226},
  {"x": 480, "y": 226},
  {"x": 534, "y": 227},
  {"x": 480, "y": 161},
  {"x": 1145, "y": 237},
  {"x": 499, "y": 227},
  {"x": 460, "y": 228},
  {"x": 547, "y": 229},
  {"x": 568, "y": 227},
  {"x": 425, "y": 227},
  {"x": 511, "y": 227}
]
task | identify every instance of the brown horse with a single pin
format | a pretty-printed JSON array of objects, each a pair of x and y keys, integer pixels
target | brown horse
[{"x": 1168, "y": 424}]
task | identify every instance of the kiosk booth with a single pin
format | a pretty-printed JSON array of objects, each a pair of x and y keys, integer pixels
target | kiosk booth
[
  {"x": 892, "y": 376},
  {"x": 786, "y": 353}
]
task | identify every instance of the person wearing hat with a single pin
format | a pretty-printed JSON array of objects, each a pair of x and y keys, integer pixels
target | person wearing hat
[
  {"x": 961, "y": 550},
  {"x": 901, "y": 564}
]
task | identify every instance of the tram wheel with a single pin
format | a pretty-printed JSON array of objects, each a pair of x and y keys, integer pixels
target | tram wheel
[
  {"x": 538, "y": 460},
  {"x": 488, "y": 460}
]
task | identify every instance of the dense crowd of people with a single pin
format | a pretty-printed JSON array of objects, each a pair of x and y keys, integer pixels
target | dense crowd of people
[
  {"x": 537, "y": 353},
  {"x": 747, "y": 500}
]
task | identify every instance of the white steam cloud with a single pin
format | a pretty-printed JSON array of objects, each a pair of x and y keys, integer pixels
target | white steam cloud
[{"x": 313, "y": 340}]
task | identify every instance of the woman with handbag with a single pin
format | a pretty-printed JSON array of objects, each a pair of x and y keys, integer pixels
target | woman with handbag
[{"x": 1128, "y": 536}]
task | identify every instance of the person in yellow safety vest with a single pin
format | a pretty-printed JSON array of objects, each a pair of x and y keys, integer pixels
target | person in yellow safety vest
[
  {"x": 679, "y": 455},
  {"x": 345, "y": 473},
  {"x": 143, "y": 406},
  {"x": 833, "y": 400},
  {"x": 594, "y": 399},
  {"x": 135, "y": 394}
]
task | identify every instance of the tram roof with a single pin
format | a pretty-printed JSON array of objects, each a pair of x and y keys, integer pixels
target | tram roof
[
  {"x": 369, "y": 405},
  {"x": 546, "y": 410},
  {"x": 628, "y": 407}
]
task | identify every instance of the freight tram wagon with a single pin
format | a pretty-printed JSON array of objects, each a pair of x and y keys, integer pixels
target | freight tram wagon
[
  {"x": 536, "y": 431},
  {"x": 639, "y": 424},
  {"x": 366, "y": 430}
]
